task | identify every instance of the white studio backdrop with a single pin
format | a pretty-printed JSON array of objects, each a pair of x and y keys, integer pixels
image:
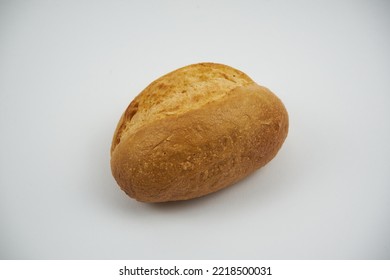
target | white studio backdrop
[{"x": 68, "y": 69}]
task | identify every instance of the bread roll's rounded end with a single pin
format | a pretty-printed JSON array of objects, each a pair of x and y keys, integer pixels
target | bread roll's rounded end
[{"x": 195, "y": 131}]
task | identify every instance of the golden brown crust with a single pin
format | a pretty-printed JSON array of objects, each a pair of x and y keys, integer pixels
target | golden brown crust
[
  {"x": 198, "y": 151},
  {"x": 177, "y": 92}
]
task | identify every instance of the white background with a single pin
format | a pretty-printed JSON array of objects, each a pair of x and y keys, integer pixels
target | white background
[{"x": 68, "y": 69}]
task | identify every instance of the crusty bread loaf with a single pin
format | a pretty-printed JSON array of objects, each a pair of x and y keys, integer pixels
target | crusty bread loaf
[{"x": 194, "y": 131}]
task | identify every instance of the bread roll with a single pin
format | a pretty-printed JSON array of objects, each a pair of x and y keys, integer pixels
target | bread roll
[{"x": 195, "y": 131}]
